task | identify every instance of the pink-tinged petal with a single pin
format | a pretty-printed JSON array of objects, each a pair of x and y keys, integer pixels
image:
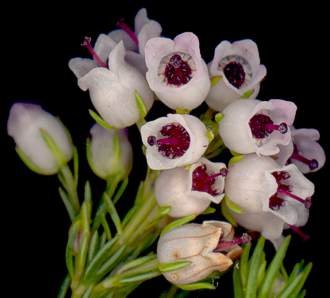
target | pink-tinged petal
[
  {"x": 141, "y": 19},
  {"x": 308, "y": 148},
  {"x": 150, "y": 30},
  {"x": 249, "y": 50},
  {"x": 222, "y": 50},
  {"x": 136, "y": 60},
  {"x": 269, "y": 225},
  {"x": 188, "y": 42},
  {"x": 81, "y": 66},
  {"x": 284, "y": 111},
  {"x": 255, "y": 82},
  {"x": 284, "y": 154},
  {"x": 155, "y": 49},
  {"x": 120, "y": 35},
  {"x": 103, "y": 46}
]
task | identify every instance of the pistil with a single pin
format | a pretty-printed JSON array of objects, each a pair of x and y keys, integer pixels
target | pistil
[
  {"x": 87, "y": 44},
  {"x": 224, "y": 245},
  {"x": 122, "y": 25},
  {"x": 311, "y": 163}
]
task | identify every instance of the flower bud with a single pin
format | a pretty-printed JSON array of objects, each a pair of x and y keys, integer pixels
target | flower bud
[
  {"x": 250, "y": 125},
  {"x": 236, "y": 73},
  {"x": 191, "y": 190},
  {"x": 25, "y": 125},
  {"x": 198, "y": 244},
  {"x": 109, "y": 152},
  {"x": 174, "y": 141}
]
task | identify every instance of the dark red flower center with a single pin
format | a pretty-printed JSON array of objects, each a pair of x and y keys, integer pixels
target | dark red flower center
[
  {"x": 177, "y": 71},
  {"x": 277, "y": 200},
  {"x": 204, "y": 181},
  {"x": 311, "y": 163},
  {"x": 175, "y": 143},
  {"x": 262, "y": 125},
  {"x": 87, "y": 44},
  {"x": 234, "y": 73}
]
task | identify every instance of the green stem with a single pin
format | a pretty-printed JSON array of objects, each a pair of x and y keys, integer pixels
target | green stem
[{"x": 64, "y": 287}]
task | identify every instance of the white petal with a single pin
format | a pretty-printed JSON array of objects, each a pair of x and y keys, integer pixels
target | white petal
[
  {"x": 120, "y": 35},
  {"x": 81, "y": 66},
  {"x": 103, "y": 46},
  {"x": 141, "y": 19},
  {"x": 149, "y": 30},
  {"x": 247, "y": 185},
  {"x": 137, "y": 61}
]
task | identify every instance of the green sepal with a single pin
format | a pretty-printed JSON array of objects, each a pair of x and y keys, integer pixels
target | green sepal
[
  {"x": 247, "y": 94},
  {"x": 140, "y": 105},
  {"x": 99, "y": 120},
  {"x": 197, "y": 286},
  {"x": 177, "y": 223},
  {"x": 215, "y": 80},
  {"x": 182, "y": 111},
  {"x": 171, "y": 266},
  {"x": 209, "y": 210},
  {"x": 32, "y": 166},
  {"x": 235, "y": 159},
  {"x": 226, "y": 213},
  {"x": 231, "y": 205},
  {"x": 210, "y": 135},
  {"x": 218, "y": 117}
]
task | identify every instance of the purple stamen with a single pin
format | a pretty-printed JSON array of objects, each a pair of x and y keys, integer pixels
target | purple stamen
[
  {"x": 311, "y": 163},
  {"x": 225, "y": 245},
  {"x": 87, "y": 44},
  {"x": 307, "y": 202},
  {"x": 262, "y": 125},
  {"x": 122, "y": 25},
  {"x": 299, "y": 232}
]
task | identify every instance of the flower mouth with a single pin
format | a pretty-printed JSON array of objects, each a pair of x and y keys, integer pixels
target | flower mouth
[
  {"x": 311, "y": 163},
  {"x": 262, "y": 126},
  {"x": 204, "y": 181},
  {"x": 177, "y": 68},
  {"x": 176, "y": 141},
  {"x": 284, "y": 193},
  {"x": 236, "y": 69},
  {"x": 226, "y": 245}
]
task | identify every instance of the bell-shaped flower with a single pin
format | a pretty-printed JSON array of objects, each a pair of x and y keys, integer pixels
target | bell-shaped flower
[
  {"x": 109, "y": 152},
  {"x": 235, "y": 73},
  {"x": 304, "y": 151},
  {"x": 251, "y": 125},
  {"x": 259, "y": 185},
  {"x": 136, "y": 40},
  {"x": 33, "y": 129},
  {"x": 174, "y": 141},
  {"x": 113, "y": 90},
  {"x": 190, "y": 190},
  {"x": 209, "y": 247},
  {"x": 176, "y": 71}
]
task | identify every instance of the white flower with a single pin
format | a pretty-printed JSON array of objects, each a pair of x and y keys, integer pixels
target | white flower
[
  {"x": 304, "y": 151},
  {"x": 198, "y": 244},
  {"x": 145, "y": 29},
  {"x": 260, "y": 186},
  {"x": 110, "y": 152},
  {"x": 176, "y": 71},
  {"x": 191, "y": 190},
  {"x": 112, "y": 91},
  {"x": 250, "y": 125},
  {"x": 25, "y": 124},
  {"x": 174, "y": 141},
  {"x": 236, "y": 73}
]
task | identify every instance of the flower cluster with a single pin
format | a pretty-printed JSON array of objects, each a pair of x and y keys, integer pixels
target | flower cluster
[{"x": 262, "y": 188}]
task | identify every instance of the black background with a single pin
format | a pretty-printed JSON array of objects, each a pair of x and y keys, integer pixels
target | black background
[{"x": 37, "y": 40}]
